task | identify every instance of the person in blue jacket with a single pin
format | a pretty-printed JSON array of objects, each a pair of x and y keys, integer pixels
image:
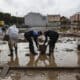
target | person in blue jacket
[{"x": 30, "y": 36}]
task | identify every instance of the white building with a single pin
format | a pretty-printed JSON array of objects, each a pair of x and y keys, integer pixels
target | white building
[{"x": 35, "y": 19}]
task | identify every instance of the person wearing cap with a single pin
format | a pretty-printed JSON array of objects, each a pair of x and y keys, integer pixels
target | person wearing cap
[
  {"x": 51, "y": 39},
  {"x": 13, "y": 38}
]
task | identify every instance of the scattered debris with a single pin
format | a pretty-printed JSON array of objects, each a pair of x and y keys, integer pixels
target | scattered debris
[
  {"x": 60, "y": 41},
  {"x": 69, "y": 50},
  {"x": 69, "y": 40},
  {"x": 6, "y": 78},
  {"x": 78, "y": 77},
  {"x": 4, "y": 71},
  {"x": 29, "y": 74}
]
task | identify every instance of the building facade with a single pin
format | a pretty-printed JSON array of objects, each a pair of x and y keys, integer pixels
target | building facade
[
  {"x": 75, "y": 20},
  {"x": 35, "y": 19},
  {"x": 75, "y": 17},
  {"x": 53, "y": 20}
]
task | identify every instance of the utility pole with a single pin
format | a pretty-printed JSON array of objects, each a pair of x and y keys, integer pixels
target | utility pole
[{"x": 16, "y": 18}]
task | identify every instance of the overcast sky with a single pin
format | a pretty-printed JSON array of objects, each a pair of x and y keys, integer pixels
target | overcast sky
[{"x": 22, "y": 7}]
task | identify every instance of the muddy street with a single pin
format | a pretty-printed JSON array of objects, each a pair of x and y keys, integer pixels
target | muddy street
[
  {"x": 65, "y": 54},
  {"x": 42, "y": 75}
]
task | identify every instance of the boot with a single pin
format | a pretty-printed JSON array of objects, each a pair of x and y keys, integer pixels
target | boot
[
  {"x": 11, "y": 52},
  {"x": 31, "y": 48},
  {"x": 50, "y": 51},
  {"x": 16, "y": 50}
]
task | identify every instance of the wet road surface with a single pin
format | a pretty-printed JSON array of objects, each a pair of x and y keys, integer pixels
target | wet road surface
[{"x": 65, "y": 54}]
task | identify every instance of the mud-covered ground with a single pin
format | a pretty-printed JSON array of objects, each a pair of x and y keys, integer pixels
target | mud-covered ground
[
  {"x": 42, "y": 75},
  {"x": 65, "y": 54}
]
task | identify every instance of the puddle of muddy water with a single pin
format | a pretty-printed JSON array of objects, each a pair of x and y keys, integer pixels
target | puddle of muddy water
[{"x": 65, "y": 54}]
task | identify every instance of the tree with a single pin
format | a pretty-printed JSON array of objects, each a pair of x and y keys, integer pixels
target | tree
[
  {"x": 13, "y": 20},
  {"x": 20, "y": 20},
  {"x": 1, "y": 16},
  {"x": 7, "y": 18},
  {"x": 64, "y": 20}
]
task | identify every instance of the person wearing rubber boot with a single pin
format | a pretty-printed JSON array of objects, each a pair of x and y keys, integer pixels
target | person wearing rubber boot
[
  {"x": 30, "y": 36},
  {"x": 53, "y": 37},
  {"x": 13, "y": 38}
]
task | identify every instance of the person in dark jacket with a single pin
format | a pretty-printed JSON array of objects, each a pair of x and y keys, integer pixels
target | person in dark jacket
[
  {"x": 30, "y": 36},
  {"x": 53, "y": 37}
]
